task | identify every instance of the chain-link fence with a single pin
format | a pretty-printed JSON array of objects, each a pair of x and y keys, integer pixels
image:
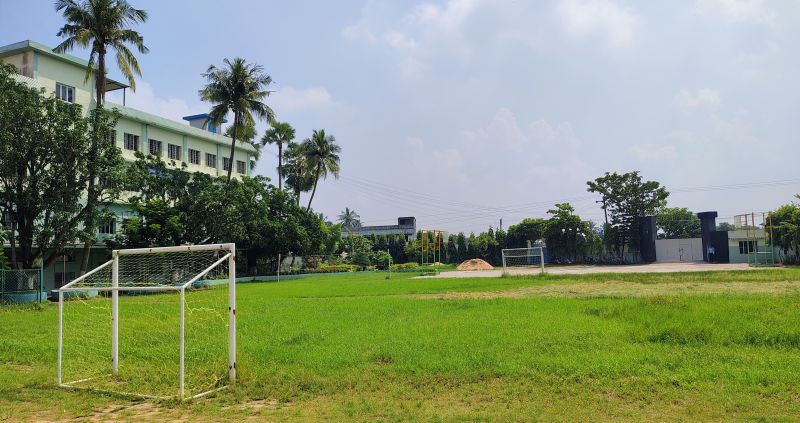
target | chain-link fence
[{"x": 22, "y": 286}]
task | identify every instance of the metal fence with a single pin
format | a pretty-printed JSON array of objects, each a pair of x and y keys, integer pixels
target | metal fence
[{"x": 22, "y": 285}]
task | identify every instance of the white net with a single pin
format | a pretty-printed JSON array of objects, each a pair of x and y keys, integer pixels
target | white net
[
  {"x": 149, "y": 340},
  {"x": 523, "y": 260}
]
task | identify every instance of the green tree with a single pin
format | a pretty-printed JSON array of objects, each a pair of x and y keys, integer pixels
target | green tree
[
  {"x": 627, "y": 198},
  {"x": 528, "y": 230},
  {"x": 280, "y": 134},
  {"x": 725, "y": 227},
  {"x": 461, "y": 246},
  {"x": 237, "y": 87},
  {"x": 322, "y": 155},
  {"x": 101, "y": 25},
  {"x": 246, "y": 135},
  {"x": 785, "y": 223},
  {"x": 677, "y": 222},
  {"x": 349, "y": 219},
  {"x": 41, "y": 196},
  {"x": 566, "y": 235},
  {"x": 297, "y": 170}
]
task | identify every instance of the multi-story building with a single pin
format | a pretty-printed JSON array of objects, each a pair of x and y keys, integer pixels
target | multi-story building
[
  {"x": 405, "y": 225},
  {"x": 199, "y": 144}
]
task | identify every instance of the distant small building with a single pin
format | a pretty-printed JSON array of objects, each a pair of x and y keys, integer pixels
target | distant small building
[{"x": 405, "y": 225}]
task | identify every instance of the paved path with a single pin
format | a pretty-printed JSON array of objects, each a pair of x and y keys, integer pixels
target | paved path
[{"x": 584, "y": 269}]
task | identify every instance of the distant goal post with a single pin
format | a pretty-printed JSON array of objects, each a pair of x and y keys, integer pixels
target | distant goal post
[
  {"x": 522, "y": 259},
  {"x": 151, "y": 322}
]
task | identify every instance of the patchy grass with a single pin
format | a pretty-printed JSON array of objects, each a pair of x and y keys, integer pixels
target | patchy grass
[{"x": 360, "y": 347}]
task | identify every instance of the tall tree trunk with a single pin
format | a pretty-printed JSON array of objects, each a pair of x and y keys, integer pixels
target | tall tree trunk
[
  {"x": 313, "y": 191},
  {"x": 91, "y": 200},
  {"x": 280, "y": 166},
  {"x": 233, "y": 143}
]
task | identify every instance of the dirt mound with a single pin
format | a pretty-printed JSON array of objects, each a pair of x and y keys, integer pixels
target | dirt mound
[{"x": 475, "y": 264}]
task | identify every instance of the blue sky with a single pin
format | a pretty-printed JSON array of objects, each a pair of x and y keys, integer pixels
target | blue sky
[{"x": 463, "y": 112}]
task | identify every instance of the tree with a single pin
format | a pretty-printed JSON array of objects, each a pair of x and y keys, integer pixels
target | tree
[
  {"x": 566, "y": 235},
  {"x": 240, "y": 88},
  {"x": 297, "y": 170},
  {"x": 725, "y": 227},
  {"x": 785, "y": 223},
  {"x": 322, "y": 155},
  {"x": 528, "y": 230},
  {"x": 349, "y": 219},
  {"x": 246, "y": 135},
  {"x": 101, "y": 25},
  {"x": 627, "y": 198},
  {"x": 41, "y": 196},
  {"x": 677, "y": 222},
  {"x": 280, "y": 134}
]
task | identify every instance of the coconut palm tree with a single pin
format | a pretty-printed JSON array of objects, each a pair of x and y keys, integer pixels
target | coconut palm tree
[
  {"x": 349, "y": 219},
  {"x": 241, "y": 88},
  {"x": 281, "y": 133},
  {"x": 296, "y": 170},
  {"x": 322, "y": 154},
  {"x": 102, "y": 25}
]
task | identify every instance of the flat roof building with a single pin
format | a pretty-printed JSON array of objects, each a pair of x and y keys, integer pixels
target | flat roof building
[{"x": 405, "y": 225}]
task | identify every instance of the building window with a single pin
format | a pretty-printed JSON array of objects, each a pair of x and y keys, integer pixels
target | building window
[
  {"x": 155, "y": 147},
  {"x": 747, "y": 247},
  {"x": 226, "y": 163},
  {"x": 65, "y": 92},
  {"x": 211, "y": 160},
  {"x": 112, "y": 137},
  {"x": 241, "y": 167},
  {"x": 131, "y": 142},
  {"x": 194, "y": 157},
  {"x": 108, "y": 227},
  {"x": 174, "y": 151}
]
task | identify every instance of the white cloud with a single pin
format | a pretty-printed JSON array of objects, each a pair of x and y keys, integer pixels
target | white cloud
[
  {"x": 145, "y": 99},
  {"x": 683, "y": 136},
  {"x": 702, "y": 97},
  {"x": 737, "y": 10},
  {"x": 399, "y": 40},
  {"x": 733, "y": 131},
  {"x": 291, "y": 99},
  {"x": 504, "y": 130},
  {"x": 411, "y": 68},
  {"x": 448, "y": 18},
  {"x": 584, "y": 18},
  {"x": 653, "y": 151}
]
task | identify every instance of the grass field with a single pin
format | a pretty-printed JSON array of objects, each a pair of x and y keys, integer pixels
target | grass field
[{"x": 689, "y": 346}]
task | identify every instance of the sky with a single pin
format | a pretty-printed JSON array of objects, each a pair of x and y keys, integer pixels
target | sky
[{"x": 465, "y": 112}]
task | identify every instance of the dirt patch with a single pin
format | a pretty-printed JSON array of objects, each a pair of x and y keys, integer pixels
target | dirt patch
[
  {"x": 144, "y": 411},
  {"x": 628, "y": 289},
  {"x": 474, "y": 264}
]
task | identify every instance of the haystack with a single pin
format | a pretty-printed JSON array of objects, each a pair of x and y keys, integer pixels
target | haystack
[{"x": 475, "y": 264}]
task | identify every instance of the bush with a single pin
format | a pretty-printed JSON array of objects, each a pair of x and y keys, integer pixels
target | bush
[{"x": 400, "y": 267}]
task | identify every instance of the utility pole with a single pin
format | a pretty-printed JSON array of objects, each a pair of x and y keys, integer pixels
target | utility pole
[
  {"x": 605, "y": 212},
  {"x": 501, "y": 223}
]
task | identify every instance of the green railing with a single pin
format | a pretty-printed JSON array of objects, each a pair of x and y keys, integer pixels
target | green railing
[{"x": 22, "y": 285}]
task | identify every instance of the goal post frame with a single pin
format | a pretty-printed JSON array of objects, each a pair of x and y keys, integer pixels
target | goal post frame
[
  {"x": 230, "y": 257},
  {"x": 537, "y": 248}
]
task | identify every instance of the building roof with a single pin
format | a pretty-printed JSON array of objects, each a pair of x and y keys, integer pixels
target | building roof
[
  {"x": 171, "y": 125},
  {"x": 128, "y": 112},
  {"x": 28, "y": 45}
]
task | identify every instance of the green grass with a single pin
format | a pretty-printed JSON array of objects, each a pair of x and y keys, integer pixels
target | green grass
[{"x": 360, "y": 347}]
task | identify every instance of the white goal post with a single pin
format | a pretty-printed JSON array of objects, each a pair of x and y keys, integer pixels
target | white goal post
[
  {"x": 522, "y": 258},
  {"x": 151, "y": 322}
]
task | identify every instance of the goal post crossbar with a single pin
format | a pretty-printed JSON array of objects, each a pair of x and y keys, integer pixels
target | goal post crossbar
[{"x": 176, "y": 249}]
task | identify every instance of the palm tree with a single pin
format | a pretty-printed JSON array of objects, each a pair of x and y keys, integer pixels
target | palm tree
[
  {"x": 281, "y": 133},
  {"x": 240, "y": 88},
  {"x": 296, "y": 169},
  {"x": 349, "y": 219},
  {"x": 322, "y": 154},
  {"x": 103, "y": 24}
]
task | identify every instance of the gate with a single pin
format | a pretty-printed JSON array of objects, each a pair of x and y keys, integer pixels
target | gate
[{"x": 682, "y": 250}]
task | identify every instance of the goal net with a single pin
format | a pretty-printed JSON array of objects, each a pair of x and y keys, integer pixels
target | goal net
[
  {"x": 523, "y": 260},
  {"x": 151, "y": 322}
]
